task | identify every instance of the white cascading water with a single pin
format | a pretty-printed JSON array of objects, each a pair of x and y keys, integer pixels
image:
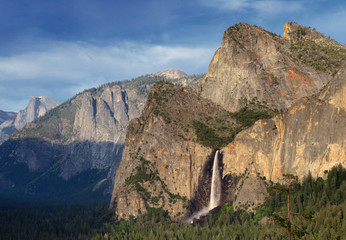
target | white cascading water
[{"x": 215, "y": 192}]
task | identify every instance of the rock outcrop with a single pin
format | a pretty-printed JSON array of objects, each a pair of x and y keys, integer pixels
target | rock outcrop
[
  {"x": 309, "y": 137},
  {"x": 172, "y": 74},
  {"x": 83, "y": 137},
  {"x": 164, "y": 156},
  {"x": 255, "y": 65}
]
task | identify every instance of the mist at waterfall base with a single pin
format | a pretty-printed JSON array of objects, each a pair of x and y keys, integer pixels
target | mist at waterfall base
[{"x": 215, "y": 192}]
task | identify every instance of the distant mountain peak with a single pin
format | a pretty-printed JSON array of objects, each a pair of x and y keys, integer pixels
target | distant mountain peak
[
  {"x": 172, "y": 73},
  {"x": 37, "y": 107}
]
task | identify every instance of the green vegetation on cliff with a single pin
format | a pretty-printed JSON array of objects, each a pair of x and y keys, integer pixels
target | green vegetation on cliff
[
  {"x": 152, "y": 189},
  {"x": 190, "y": 115},
  {"x": 323, "y": 58}
]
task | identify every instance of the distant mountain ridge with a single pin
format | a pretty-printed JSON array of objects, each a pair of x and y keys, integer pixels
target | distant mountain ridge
[
  {"x": 82, "y": 137},
  {"x": 37, "y": 107}
]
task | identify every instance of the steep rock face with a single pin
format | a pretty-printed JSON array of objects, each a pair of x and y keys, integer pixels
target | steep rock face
[
  {"x": 309, "y": 137},
  {"x": 255, "y": 65},
  {"x": 163, "y": 159},
  {"x": 83, "y": 136},
  {"x": 37, "y": 107}
]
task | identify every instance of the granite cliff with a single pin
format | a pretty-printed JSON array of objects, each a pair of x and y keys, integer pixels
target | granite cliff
[
  {"x": 309, "y": 137},
  {"x": 78, "y": 144},
  {"x": 255, "y": 65}
]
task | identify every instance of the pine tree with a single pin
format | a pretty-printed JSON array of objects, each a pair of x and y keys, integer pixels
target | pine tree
[{"x": 287, "y": 222}]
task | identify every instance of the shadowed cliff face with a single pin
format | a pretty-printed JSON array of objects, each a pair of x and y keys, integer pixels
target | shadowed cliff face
[
  {"x": 84, "y": 134},
  {"x": 309, "y": 137},
  {"x": 35, "y": 175},
  {"x": 255, "y": 65},
  {"x": 163, "y": 157}
]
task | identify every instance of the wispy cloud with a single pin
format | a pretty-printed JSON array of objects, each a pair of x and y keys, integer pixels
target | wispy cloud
[
  {"x": 232, "y": 5},
  {"x": 83, "y": 65},
  {"x": 270, "y": 7}
]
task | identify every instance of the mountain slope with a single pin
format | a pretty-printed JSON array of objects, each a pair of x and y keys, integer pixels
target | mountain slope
[
  {"x": 82, "y": 138},
  {"x": 253, "y": 65}
]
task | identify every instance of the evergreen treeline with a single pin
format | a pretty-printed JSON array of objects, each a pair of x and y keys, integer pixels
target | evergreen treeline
[
  {"x": 324, "y": 199},
  {"x": 34, "y": 221}
]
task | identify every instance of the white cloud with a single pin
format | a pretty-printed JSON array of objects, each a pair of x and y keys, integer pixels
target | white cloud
[
  {"x": 227, "y": 4},
  {"x": 75, "y": 61},
  {"x": 73, "y": 67}
]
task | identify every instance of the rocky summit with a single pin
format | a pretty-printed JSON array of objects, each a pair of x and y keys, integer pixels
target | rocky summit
[
  {"x": 11, "y": 122},
  {"x": 253, "y": 64},
  {"x": 37, "y": 107}
]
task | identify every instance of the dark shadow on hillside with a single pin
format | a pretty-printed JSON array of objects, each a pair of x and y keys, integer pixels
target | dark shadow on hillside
[{"x": 37, "y": 170}]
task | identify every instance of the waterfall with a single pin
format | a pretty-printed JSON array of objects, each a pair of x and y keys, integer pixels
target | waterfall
[{"x": 215, "y": 192}]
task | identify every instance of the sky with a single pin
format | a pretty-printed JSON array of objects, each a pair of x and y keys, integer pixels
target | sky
[{"x": 58, "y": 48}]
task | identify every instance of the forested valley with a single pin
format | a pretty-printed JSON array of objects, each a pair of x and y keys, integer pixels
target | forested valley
[{"x": 318, "y": 209}]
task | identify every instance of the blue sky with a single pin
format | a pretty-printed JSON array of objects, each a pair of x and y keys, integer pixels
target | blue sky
[{"x": 58, "y": 48}]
